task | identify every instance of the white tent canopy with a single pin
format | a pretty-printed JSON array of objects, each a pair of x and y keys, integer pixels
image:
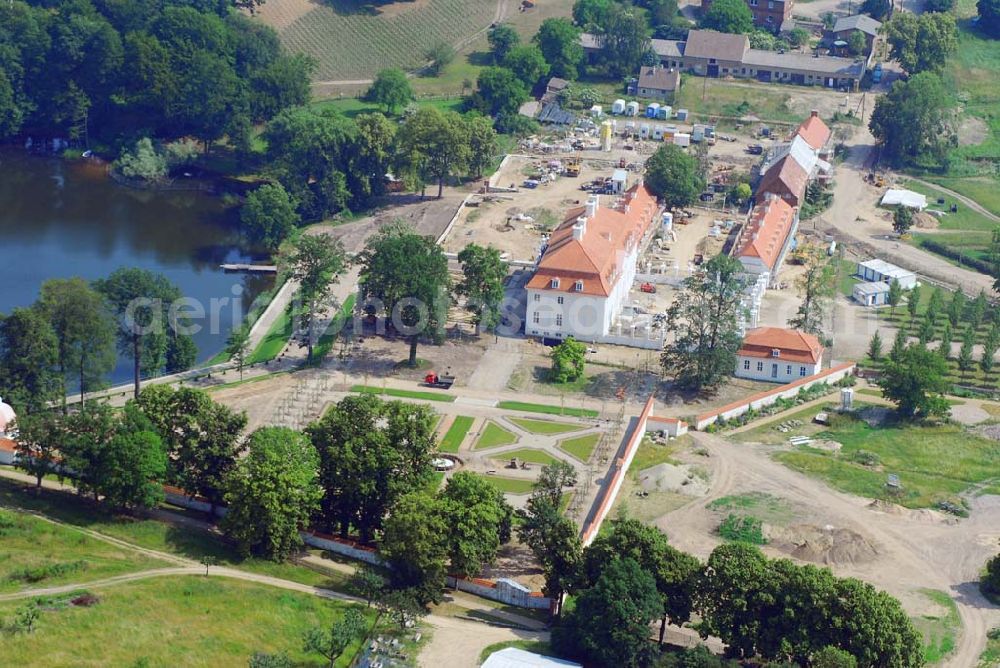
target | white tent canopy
[
  {"x": 512, "y": 657},
  {"x": 907, "y": 198}
]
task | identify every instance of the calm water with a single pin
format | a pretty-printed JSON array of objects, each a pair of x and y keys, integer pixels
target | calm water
[{"x": 59, "y": 220}]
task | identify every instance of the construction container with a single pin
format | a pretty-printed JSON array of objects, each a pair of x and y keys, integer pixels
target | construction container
[
  {"x": 652, "y": 110},
  {"x": 644, "y": 130},
  {"x": 632, "y": 108},
  {"x": 682, "y": 114},
  {"x": 666, "y": 111},
  {"x": 597, "y": 111},
  {"x": 698, "y": 133},
  {"x": 668, "y": 221},
  {"x": 618, "y": 107},
  {"x": 669, "y": 132},
  {"x": 658, "y": 132},
  {"x": 663, "y": 113},
  {"x": 682, "y": 139}
]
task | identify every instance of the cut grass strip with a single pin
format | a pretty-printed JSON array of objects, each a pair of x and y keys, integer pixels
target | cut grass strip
[
  {"x": 939, "y": 632},
  {"x": 333, "y": 330},
  {"x": 510, "y": 485},
  {"x": 274, "y": 341},
  {"x": 547, "y": 409},
  {"x": 404, "y": 394},
  {"x": 581, "y": 447},
  {"x": 530, "y": 455},
  {"x": 494, "y": 436},
  {"x": 455, "y": 435},
  {"x": 545, "y": 426}
]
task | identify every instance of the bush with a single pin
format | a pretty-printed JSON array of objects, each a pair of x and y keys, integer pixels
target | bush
[
  {"x": 866, "y": 458},
  {"x": 743, "y": 529},
  {"x": 33, "y": 574},
  {"x": 982, "y": 266},
  {"x": 142, "y": 162},
  {"x": 989, "y": 583}
]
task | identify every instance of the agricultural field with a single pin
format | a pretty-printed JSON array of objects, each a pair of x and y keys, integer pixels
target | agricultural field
[
  {"x": 170, "y": 621},
  {"x": 354, "y": 39}
]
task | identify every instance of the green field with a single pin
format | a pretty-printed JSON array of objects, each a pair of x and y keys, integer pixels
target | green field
[
  {"x": 493, "y": 435},
  {"x": 715, "y": 97},
  {"x": 545, "y": 426},
  {"x": 547, "y": 409},
  {"x": 37, "y": 553},
  {"x": 581, "y": 447},
  {"x": 510, "y": 485},
  {"x": 939, "y": 632},
  {"x": 274, "y": 341},
  {"x": 352, "y": 106},
  {"x": 354, "y": 39},
  {"x": 767, "y": 507},
  {"x": 530, "y": 455},
  {"x": 404, "y": 394},
  {"x": 934, "y": 462},
  {"x": 174, "y": 621},
  {"x": 452, "y": 440},
  {"x": 965, "y": 219}
]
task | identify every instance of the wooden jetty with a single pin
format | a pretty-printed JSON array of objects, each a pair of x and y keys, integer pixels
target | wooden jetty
[{"x": 252, "y": 268}]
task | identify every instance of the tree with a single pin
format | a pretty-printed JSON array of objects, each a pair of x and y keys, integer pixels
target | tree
[
  {"x": 902, "y": 220},
  {"x": 857, "y": 44},
  {"x": 478, "y": 520},
  {"x": 142, "y": 162},
  {"x": 413, "y": 547},
  {"x": 391, "y": 89},
  {"x": 438, "y": 141},
  {"x": 956, "y": 307},
  {"x": 916, "y": 382},
  {"x": 624, "y": 40},
  {"x": 402, "y": 606},
  {"x": 674, "y": 176},
  {"x": 527, "y": 63},
  {"x": 609, "y": 625},
  {"x": 238, "y": 347},
  {"x": 944, "y": 348},
  {"x": 965, "y": 361},
  {"x": 271, "y": 493},
  {"x": 833, "y": 657},
  {"x": 569, "y": 359},
  {"x": 483, "y": 146},
  {"x": 877, "y": 9},
  {"x": 705, "y": 320},
  {"x": 798, "y": 37},
  {"x": 371, "y": 453},
  {"x": 559, "y": 41},
  {"x": 990, "y": 580},
  {"x": 977, "y": 310},
  {"x": 373, "y": 152},
  {"x": 482, "y": 284},
  {"x": 29, "y": 353},
  {"x": 407, "y": 276},
  {"x": 875, "y": 347},
  {"x": 990, "y": 347},
  {"x": 921, "y": 42},
  {"x": 498, "y": 92},
  {"x": 315, "y": 261},
  {"x": 913, "y": 301},
  {"x": 140, "y": 300},
  {"x": 368, "y": 582},
  {"x": 502, "y": 38},
  {"x": 332, "y": 643},
  {"x": 873, "y": 627},
  {"x": 84, "y": 330},
  {"x": 730, "y": 597},
  {"x": 894, "y": 297},
  {"x": 591, "y": 14},
  {"x": 202, "y": 438},
  {"x": 989, "y": 17},
  {"x": 740, "y": 193},
  {"x": 732, "y": 16},
  {"x": 817, "y": 285},
  {"x": 269, "y": 215},
  {"x": 898, "y": 345},
  {"x": 439, "y": 57},
  {"x": 912, "y": 122},
  {"x": 37, "y": 444}
]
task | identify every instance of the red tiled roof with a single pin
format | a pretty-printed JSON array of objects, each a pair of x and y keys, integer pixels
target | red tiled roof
[
  {"x": 595, "y": 259},
  {"x": 785, "y": 178},
  {"x": 793, "y": 345},
  {"x": 767, "y": 231},
  {"x": 7, "y": 445},
  {"x": 814, "y": 131}
]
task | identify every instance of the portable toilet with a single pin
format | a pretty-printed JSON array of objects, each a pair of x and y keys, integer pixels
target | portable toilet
[
  {"x": 682, "y": 139},
  {"x": 682, "y": 114},
  {"x": 666, "y": 111},
  {"x": 658, "y": 132},
  {"x": 629, "y": 128},
  {"x": 669, "y": 132},
  {"x": 597, "y": 111},
  {"x": 618, "y": 107},
  {"x": 668, "y": 221},
  {"x": 709, "y": 132},
  {"x": 652, "y": 110},
  {"x": 644, "y": 130},
  {"x": 698, "y": 133},
  {"x": 619, "y": 180},
  {"x": 632, "y": 108}
]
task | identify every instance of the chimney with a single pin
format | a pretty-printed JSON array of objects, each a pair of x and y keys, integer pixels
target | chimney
[
  {"x": 579, "y": 228},
  {"x": 606, "y": 235},
  {"x": 815, "y": 113},
  {"x": 592, "y": 203}
]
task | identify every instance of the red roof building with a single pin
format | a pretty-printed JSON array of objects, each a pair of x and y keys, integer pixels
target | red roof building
[
  {"x": 787, "y": 179},
  {"x": 814, "y": 131},
  {"x": 778, "y": 355},
  {"x": 767, "y": 235}
]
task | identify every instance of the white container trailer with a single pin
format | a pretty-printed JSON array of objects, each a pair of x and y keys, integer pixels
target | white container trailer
[
  {"x": 698, "y": 133},
  {"x": 682, "y": 139},
  {"x": 644, "y": 130},
  {"x": 666, "y": 111},
  {"x": 632, "y": 108},
  {"x": 618, "y": 107},
  {"x": 658, "y": 132},
  {"x": 597, "y": 111},
  {"x": 682, "y": 114}
]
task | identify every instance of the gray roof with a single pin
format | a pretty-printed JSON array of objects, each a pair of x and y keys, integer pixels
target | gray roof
[
  {"x": 589, "y": 40},
  {"x": 553, "y": 113},
  {"x": 555, "y": 83},
  {"x": 718, "y": 45},
  {"x": 846, "y": 67},
  {"x": 862, "y": 22},
  {"x": 668, "y": 48},
  {"x": 874, "y": 288},
  {"x": 659, "y": 78}
]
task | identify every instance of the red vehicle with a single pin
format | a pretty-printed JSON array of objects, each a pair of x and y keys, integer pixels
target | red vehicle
[
  {"x": 432, "y": 379},
  {"x": 648, "y": 287}
]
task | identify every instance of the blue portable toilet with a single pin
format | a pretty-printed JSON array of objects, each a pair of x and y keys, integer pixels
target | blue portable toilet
[{"x": 652, "y": 110}]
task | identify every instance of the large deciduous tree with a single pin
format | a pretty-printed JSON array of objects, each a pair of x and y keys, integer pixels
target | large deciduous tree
[
  {"x": 559, "y": 41},
  {"x": 272, "y": 492},
  {"x": 705, "y": 321},
  {"x": 912, "y": 122},
  {"x": 407, "y": 275},
  {"x": 391, "y": 89},
  {"x": 674, "y": 176},
  {"x": 269, "y": 215},
  {"x": 817, "y": 285},
  {"x": 483, "y": 274},
  {"x": 315, "y": 261},
  {"x": 916, "y": 381},
  {"x": 921, "y": 42},
  {"x": 413, "y": 543},
  {"x": 333, "y": 642},
  {"x": 527, "y": 63},
  {"x": 483, "y": 147},
  {"x": 989, "y": 17},
  {"x": 29, "y": 355},
  {"x": 498, "y": 92},
  {"x": 38, "y": 438},
  {"x": 731, "y": 16},
  {"x": 502, "y": 38},
  {"x": 569, "y": 359},
  {"x": 437, "y": 141},
  {"x": 624, "y": 40},
  {"x": 479, "y": 521}
]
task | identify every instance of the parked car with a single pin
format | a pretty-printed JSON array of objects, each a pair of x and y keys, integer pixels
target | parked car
[{"x": 755, "y": 149}]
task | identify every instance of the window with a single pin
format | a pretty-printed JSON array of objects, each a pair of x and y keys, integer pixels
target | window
[
  {"x": 760, "y": 366},
  {"x": 775, "y": 352},
  {"x": 770, "y": 4},
  {"x": 538, "y": 297},
  {"x": 711, "y": 61},
  {"x": 802, "y": 371},
  {"x": 770, "y": 19},
  {"x": 559, "y": 299},
  {"x": 535, "y": 318},
  {"x": 559, "y": 324},
  {"x": 753, "y": 3},
  {"x": 746, "y": 365},
  {"x": 788, "y": 370},
  {"x": 554, "y": 283},
  {"x": 579, "y": 286}
]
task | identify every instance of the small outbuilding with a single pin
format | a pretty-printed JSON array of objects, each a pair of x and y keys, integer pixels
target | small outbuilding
[
  {"x": 618, "y": 107},
  {"x": 871, "y": 294},
  {"x": 880, "y": 271},
  {"x": 619, "y": 181},
  {"x": 632, "y": 108}
]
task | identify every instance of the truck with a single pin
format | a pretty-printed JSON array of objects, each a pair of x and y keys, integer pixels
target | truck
[
  {"x": 433, "y": 379},
  {"x": 648, "y": 288},
  {"x": 573, "y": 167}
]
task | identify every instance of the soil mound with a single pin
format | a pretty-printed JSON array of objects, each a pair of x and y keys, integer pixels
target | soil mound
[
  {"x": 919, "y": 514},
  {"x": 925, "y": 221},
  {"x": 669, "y": 478},
  {"x": 822, "y": 545}
]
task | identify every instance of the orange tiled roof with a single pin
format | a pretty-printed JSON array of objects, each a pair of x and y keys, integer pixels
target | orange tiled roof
[
  {"x": 7, "y": 445},
  {"x": 768, "y": 230},
  {"x": 596, "y": 259},
  {"x": 814, "y": 131},
  {"x": 785, "y": 177},
  {"x": 793, "y": 345}
]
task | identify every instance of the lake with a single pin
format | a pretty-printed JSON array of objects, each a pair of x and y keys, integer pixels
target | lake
[{"x": 61, "y": 219}]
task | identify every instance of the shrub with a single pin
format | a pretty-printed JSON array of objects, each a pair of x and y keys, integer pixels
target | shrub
[
  {"x": 989, "y": 583},
  {"x": 33, "y": 574},
  {"x": 866, "y": 458},
  {"x": 143, "y": 162},
  {"x": 742, "y": 529}
]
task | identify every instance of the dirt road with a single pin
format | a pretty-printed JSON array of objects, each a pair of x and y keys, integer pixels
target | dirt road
[{"x": 914, "y": 549}]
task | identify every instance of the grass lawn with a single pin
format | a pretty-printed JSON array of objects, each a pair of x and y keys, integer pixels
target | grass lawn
[
  {"x": 453, "y": 438},
  {"x": 274, "y": 341},
  {"x": 545, "y": 426},
  {"x": 769, "y": 102},
  {"x": 175, "y": 621},
  {"x": 845, "y": 277},
  {"x": 934, "y": 462},
  {"x": 767, "y": 507},
  {"x": 651, "y": 453},
  {"x": 405, "y": 394},
  {"x": 990, "y": 658},
  {"x": 336, "y": 326},
  {"x": 36, "y": 553},
  {"x": 547, "y": 409},
  {"x": 531, "y": 455},
  {"x": 581, "y": 447},
  {"x": 938, "y": 632},
  {"x": 494, "y": 436},
  {"x": 964, "y": 219},
  {"x": 510, "y": 485}
]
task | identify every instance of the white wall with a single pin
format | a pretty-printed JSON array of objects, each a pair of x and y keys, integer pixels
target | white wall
[{"x": 764, "y": 369}]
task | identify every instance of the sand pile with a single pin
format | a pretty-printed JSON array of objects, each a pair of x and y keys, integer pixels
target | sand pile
[
  {"x": 919, "y": 514},
  {"x": 821, "y": 545},
  {"x": 679, "y": 479},
  {"x": 925, "y": 221}
]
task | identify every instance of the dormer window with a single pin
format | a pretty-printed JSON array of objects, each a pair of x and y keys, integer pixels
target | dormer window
[
  {"x": 775, "y": 352},
  {"x": 554, "y": 283},
  {"x": 578, "y": 286}
]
